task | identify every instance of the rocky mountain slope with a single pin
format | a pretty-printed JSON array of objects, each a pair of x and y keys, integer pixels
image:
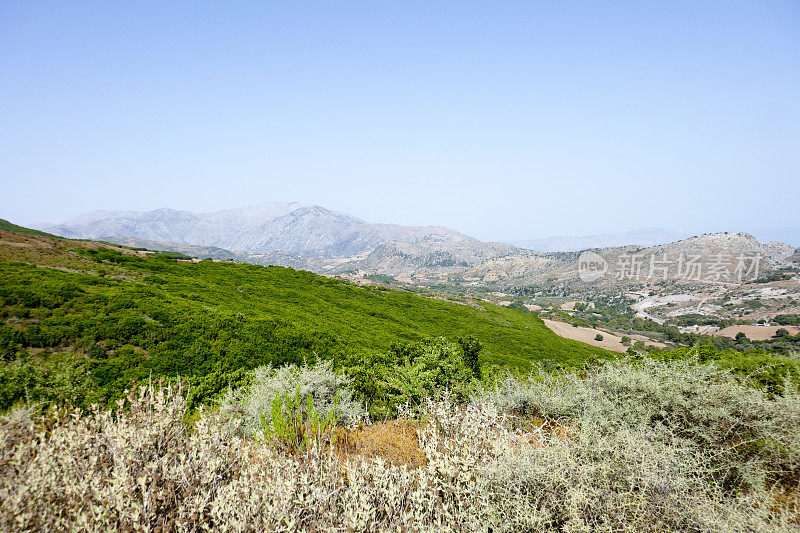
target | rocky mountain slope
[
  {"x": 722, "y": 275},
  {"x": 288, "y": 227},
  {"x": 709, "y": 258},
  {"x": 440, "y": 257}
]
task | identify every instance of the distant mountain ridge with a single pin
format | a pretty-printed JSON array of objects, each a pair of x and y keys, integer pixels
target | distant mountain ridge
[
  {"x": 314, "y": 238},
  {"x": 301, "y": 229},
  {"x": 638, "y": 237},
  {"x": 550, "y": 268},
  {"x": 442, "y": 257}
]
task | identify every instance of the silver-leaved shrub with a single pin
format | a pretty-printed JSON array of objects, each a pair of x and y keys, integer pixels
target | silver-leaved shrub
[
  {"x": 329, "y": 390},
  {"x": 629, "y": 447}
]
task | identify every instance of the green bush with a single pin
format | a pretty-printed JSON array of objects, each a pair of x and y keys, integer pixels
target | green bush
[
  {"x": 788, "y": 320},
  {"x": 209, "y": 389},
  {"x": 294, "y": 424},
  {"x": 61, "y": 379},
  {"x": 757, "y": 368},
  {"x": 411, "y": 373},
  {"x": 470, "y": 348}
]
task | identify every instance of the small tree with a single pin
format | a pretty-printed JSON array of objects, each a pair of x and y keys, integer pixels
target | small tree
[
  {"x": 438, "y": 365},
  {"x": 782, "y": 332},
  {"x": 598, "y": 337},
  {"x": 471, "y": 347},
  {"x": 626, "y": 340}
]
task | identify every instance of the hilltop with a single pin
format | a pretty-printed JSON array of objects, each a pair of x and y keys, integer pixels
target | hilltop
[
  {"x": 5, "y": 225},
  {"x": 724, "y": 248}
]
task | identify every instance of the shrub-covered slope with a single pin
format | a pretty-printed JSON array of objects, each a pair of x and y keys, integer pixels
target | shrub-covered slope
[{"x": 81, "y": 320}]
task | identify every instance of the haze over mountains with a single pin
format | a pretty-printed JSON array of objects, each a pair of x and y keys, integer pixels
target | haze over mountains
[
  {"x": 296, "y": 228},
  {"x": 640, "y": 237}
]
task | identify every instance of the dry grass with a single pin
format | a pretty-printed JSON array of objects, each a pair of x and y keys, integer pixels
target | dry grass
[
  {"x": 754, "y": 332},
  {"x": 395, "y": 441},
  {"x": 59, "y": 253}
]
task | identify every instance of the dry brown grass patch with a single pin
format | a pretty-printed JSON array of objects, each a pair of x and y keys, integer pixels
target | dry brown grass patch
[
  {"x": 396, "y": 441},
  {"x": 786, "y": 501}
]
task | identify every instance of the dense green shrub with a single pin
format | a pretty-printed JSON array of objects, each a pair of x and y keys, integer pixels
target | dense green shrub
[
  {"x": 210, "y": 388},
  {"x": 17, "y": 378},
  {"x": 769, "y": 371},
  {"x": 470, "y": 349},
  {"x": 788, "y": 320},
  {"x": 411, "y": 373},
  {"x": 60, "y": 379}
]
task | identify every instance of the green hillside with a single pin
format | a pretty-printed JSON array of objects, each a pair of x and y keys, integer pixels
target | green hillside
[{"x": 110, "y": 316}]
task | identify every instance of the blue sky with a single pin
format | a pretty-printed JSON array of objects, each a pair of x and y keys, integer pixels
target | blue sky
[{"x": 505, "y": 120}]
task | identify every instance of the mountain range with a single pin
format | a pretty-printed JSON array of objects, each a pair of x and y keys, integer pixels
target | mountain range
[
  {"x": 299, "y": 229},
  {"x": 311, "y": 237}
]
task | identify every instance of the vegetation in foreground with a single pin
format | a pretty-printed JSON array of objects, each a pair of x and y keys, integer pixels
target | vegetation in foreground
[{"x": 630, "y": 446}]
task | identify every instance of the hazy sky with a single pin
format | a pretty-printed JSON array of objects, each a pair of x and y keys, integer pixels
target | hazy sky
[{"x": 505, "y": 120}]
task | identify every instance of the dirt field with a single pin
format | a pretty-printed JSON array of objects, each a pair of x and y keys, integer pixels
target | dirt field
[
  {"x": 611, "y": 341},
  {"x": 755, "y": 333}
]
